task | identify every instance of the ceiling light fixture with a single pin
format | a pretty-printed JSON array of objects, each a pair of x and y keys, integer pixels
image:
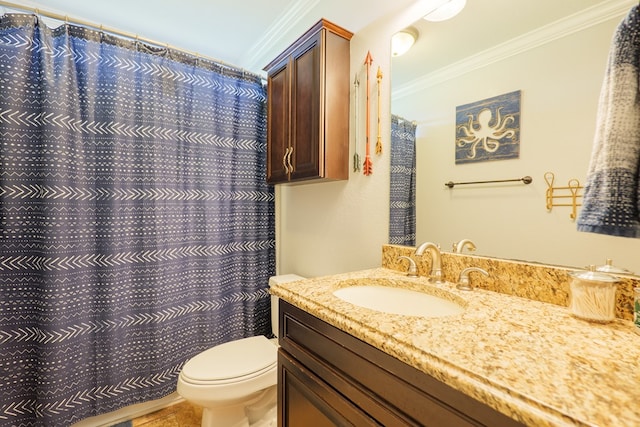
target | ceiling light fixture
[
  {"x": 446, "y": 10},
  {"x": 402, "y": 41}
]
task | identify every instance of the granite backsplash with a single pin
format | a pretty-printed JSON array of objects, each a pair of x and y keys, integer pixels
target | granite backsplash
[{"x": 538, "y": 282}]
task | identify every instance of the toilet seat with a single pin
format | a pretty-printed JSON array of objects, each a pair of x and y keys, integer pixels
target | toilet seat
[{"x": 231, "y": 362}]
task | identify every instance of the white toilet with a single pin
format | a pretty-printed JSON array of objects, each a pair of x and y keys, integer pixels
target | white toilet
[{"x": 235, "y": 382}]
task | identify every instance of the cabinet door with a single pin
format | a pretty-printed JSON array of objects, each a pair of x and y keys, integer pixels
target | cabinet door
[
  {"x": 305, "y": 400},
  {"x": 278, "y": 123},
  {"x": 306, "y": 113}
]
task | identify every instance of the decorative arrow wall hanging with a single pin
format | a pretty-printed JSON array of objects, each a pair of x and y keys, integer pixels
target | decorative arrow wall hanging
[
  {"x": 356, "y": 156},
  {"x": 379, "y": 141},
  {"x": 367, "y": 167}
]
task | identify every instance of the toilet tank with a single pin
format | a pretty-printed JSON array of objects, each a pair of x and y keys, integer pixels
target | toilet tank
[{"x": 274, "y": 280}]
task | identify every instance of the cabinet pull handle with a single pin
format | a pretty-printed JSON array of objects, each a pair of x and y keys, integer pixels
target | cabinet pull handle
[
  {"x": 289, "y": 160},
  {"x": 284, "y": 160}
]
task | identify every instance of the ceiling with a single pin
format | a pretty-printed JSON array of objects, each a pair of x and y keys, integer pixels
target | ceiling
[
  {"x": 248, "y": 34},
  {"x": 493, "y": 28}
]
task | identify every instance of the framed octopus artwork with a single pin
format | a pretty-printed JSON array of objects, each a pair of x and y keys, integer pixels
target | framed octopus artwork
[{"x": 489, "y": 129}]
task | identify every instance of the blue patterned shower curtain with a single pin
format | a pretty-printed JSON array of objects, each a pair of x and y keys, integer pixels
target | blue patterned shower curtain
[
  {"x": 402, "y": 211},
  {"x": 137, "y": 225}
]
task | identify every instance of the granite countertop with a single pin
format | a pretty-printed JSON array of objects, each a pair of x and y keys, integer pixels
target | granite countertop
[{"x": 530, "y": 360}]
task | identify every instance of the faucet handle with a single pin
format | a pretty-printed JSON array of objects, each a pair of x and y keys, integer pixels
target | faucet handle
[
  {"x": 459, "y": 246},
  {"x": 464, "y": 284},
  {"x": 413, "y": 268}
]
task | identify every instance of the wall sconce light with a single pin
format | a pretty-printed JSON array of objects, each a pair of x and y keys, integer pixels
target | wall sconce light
[
  {"x": 445, "y": 11},
  {"x": 402, "y": 41}
]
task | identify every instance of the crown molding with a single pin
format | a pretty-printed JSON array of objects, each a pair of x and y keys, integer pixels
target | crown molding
[
  {"x": 260, "y": 50},
  {"x": 556, "y": 30}
]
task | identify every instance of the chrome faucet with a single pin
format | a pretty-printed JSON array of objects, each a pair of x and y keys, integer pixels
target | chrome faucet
[
  {"x": 435, "y": 275},
  {"x": 459, "y": 246}
]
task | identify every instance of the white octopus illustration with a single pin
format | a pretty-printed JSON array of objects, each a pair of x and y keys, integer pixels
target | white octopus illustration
[{"x": 489, "y": 132}]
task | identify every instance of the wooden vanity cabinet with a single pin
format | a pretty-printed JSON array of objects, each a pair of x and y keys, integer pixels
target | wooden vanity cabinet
[
  {"x": 308, "y": 107},
  {"x": 330, "y": 378}
]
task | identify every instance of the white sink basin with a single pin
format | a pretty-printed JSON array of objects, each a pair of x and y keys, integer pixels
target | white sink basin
[{"x": 398, "y": 301}]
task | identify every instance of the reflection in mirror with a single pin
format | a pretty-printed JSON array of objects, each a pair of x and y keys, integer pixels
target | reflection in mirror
[
  {"x": 555, "y": 54},
  {"x": 402, "y": 182}
]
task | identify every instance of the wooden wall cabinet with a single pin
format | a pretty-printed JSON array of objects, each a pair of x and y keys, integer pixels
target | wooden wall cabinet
[
  {"x": 330, "y": 378},
  {"x": 308, "y": 108}
]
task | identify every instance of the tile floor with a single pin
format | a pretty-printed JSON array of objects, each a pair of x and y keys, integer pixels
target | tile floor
[{"x": 181, "y": 414}]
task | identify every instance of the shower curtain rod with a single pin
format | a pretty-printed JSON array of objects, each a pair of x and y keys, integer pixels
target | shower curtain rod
[{"x": 132, "y": 36}]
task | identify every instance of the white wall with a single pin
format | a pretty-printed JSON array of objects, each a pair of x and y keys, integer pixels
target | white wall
[
  {"x": 335, "y": 227},
  {"x": 331, "y": 227},
  {"x": 560, "y": 84}
]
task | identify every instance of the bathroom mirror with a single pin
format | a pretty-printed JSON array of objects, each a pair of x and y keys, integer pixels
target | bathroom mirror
[{"x": 555, "y": 54}]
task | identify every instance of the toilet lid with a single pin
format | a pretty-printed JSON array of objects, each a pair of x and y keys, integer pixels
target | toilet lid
[{"x": 234, "y": 359}]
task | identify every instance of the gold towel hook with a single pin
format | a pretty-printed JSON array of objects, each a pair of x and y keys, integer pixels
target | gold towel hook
[
  {"x": 574, "y": 186},
  {"x": 549, "y": 177},
  {"x": 569, "y": 192}
]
